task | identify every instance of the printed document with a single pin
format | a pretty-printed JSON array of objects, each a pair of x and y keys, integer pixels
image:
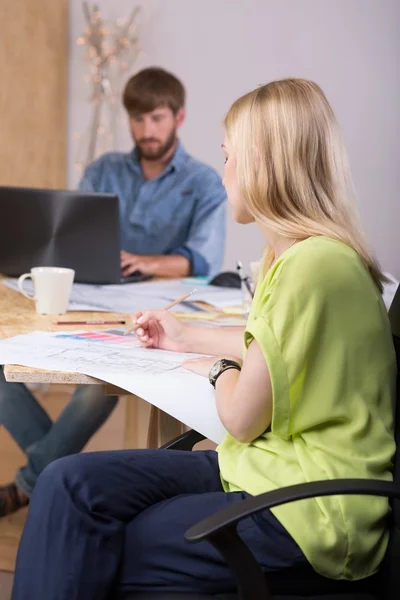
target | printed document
[{"x": 154, "y": 375}]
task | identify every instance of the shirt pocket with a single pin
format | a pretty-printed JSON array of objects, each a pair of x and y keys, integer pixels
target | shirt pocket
[{"x": 157, "y": 222}]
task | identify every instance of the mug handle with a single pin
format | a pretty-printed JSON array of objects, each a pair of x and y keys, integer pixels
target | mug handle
[{"x": 21, "y": 285}]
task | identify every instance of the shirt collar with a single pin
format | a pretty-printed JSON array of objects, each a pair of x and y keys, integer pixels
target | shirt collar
[
  {"x": 178, "y": 158},
  {"x": 175, "y": 163}
]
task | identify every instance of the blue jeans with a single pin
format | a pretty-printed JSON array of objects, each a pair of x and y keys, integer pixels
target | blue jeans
[
  {"x": 105, "y": 520},
  {"x": 42, "y": 440}
]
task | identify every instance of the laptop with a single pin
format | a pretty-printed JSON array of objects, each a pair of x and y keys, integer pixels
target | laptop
[{"x": 59, "y": 228}]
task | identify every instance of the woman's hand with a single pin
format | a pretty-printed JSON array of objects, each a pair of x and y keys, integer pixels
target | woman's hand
[
  {"x": 202, "y": 366},
  {"x": 160, "y": 329}
]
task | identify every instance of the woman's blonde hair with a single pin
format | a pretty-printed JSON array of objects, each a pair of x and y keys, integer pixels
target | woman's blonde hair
[{"x": 292, "y": 166}]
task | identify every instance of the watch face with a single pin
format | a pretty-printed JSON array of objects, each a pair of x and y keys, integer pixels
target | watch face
[{"x": 215, "y": 369}]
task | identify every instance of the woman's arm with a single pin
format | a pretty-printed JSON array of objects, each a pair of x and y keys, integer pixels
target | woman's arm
[
  {"x": 160, "y": 329},
  {"x": 244, "y": 399},
  {"x": 215, "y": 340}
]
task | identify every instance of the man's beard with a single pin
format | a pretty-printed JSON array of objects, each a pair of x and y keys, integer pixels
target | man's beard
[{"x": 158, "y": 151}]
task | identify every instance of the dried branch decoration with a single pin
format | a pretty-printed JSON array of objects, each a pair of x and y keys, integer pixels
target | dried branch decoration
[{"x": 110, "y": 49}]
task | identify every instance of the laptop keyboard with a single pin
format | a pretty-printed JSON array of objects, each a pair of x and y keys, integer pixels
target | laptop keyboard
[{"x": 135, "y": 277}]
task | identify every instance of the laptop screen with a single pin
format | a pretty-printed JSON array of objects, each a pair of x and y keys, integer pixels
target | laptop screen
[{"x": 72, "y": 229}]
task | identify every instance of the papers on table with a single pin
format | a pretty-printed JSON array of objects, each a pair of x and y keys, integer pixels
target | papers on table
[
  {"x": 219, "y": 297},
  {"x": 131, "y": 297},
  {"x": 155, "y": 375}
]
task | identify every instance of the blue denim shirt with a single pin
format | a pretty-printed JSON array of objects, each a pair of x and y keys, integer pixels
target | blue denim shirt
[{"x": 180, "y": 212}]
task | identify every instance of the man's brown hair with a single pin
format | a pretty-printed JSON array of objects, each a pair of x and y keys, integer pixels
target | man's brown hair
[{"x": 151, "y": 88}]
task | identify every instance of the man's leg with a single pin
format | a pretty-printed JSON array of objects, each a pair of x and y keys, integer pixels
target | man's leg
[
  {"x": 85, "y": 413},
  {"x": 27, "y": 423},
  {"x": 42, "y": 440},
  {"x": 73, "y": 540},
  {"x": 21, "y": 414}
]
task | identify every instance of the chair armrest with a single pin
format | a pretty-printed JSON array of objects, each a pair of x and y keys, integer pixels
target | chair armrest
[
  {"x": 186, "y": 441},
  {"x": 235, "y": 512},
  {"x": 220, "y": 529}
]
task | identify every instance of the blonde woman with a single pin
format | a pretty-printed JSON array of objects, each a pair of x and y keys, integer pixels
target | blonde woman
[{"x": 309, "y": 398}]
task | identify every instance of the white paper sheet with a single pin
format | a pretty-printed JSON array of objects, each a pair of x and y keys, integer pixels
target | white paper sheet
[
  {"x": 122, "y": 298},
  {"x": 217, "y": 296},
  {"x": 155, "y": 375},
  {"x": 131, "y": 297}
]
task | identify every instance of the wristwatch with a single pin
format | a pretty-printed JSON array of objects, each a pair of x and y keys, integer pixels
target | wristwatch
[{"x": 219, "y": 367}]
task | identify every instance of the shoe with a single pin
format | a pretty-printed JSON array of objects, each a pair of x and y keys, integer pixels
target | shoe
[{"x": 11, "y": 499}]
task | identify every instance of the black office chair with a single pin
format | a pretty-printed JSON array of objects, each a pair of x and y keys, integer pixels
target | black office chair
[{"x": 298, "y": 582}]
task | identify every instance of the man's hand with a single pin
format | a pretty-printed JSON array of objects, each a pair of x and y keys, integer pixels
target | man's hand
[
  {"x": 162, "y": 266},
  {"x": 134, "y": 262}
]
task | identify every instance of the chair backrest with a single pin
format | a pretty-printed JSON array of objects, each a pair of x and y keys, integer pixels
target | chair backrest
[
  {"x": 394, "y": 316},
  {"x": 390, "y": 569},
  {"x": 394, "y": 313}
]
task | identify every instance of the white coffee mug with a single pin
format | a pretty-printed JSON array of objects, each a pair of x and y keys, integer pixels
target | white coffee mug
[{"x": 52, "y": 288}]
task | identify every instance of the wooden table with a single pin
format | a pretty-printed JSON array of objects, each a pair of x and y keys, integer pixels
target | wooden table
[{"x": 18, "y": 315}]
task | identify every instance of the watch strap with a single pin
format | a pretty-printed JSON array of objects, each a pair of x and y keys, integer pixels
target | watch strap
[{"x": 225, "y": 365}]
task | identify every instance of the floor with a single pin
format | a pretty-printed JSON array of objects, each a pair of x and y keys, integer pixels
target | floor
[{"x": 6, "y": 580}]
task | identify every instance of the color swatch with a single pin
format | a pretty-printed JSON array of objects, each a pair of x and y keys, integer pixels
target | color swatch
[{"x": 113, "y": 337}]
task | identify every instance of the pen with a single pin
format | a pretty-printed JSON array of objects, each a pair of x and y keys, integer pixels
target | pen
[
  {"x": 91, "y": 323},
  {"x": 244, "y": 278},
  {"x": 174, "y": 303}
]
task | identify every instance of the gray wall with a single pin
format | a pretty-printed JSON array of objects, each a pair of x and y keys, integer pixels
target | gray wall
[{"x": 223, "y": 48}]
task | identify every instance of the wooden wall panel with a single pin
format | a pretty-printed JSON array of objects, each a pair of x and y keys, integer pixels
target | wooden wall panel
[{"x": 33, "y": 92}]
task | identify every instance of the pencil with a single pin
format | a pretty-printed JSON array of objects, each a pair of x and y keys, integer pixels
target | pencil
[
  {"x": 171, "y": 305},
  {"x": 179, "y": 300},
  {"x": 91, "y": 323}
]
